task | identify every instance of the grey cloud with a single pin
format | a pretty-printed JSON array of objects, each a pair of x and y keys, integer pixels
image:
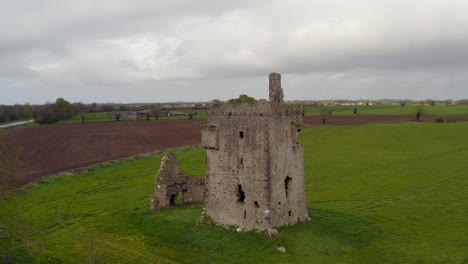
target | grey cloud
[{"x": 182, "y": 50}]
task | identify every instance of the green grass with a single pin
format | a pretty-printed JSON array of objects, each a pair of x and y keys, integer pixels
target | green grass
[
  {"x": 388, "y": 109},
  {"x": 380, "y": 193},
  {"x": 109, "y": 117}
]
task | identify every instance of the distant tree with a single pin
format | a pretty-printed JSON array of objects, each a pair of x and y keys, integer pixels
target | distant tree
[
  {"x": 106, "y": 108},
  {"x": 190, "y": 114},
  {"x": 117, "y": 116},
  {"x": 355, "y": 110},
  {"x": 79, "y": 107},
  {"x": 420, "y": 111},
  {"x": 148, "y": 115},
  {"x": 403, "y": 103},
  {"x": 65, "y": 109},
  {"x": 83, "y": 114},
  {"x": 94, "y": 107},
  {"x": 156, "y": 111},
  {"x": 48, "y": 114},
  {"x": 325, "y": 113}
]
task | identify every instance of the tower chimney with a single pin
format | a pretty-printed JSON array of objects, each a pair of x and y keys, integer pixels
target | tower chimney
[{"x": 276, "y": 92}]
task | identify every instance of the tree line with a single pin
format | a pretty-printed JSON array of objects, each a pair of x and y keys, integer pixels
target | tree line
[{"x": 48, "y": 113}]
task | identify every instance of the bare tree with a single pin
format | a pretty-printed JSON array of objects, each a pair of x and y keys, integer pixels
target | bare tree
[
  {"x": 420, "y": 111},
  {"x": 117, "y": 116},
  {"x": 156, "y": 111},
  {"x": 325, "y": 113}
]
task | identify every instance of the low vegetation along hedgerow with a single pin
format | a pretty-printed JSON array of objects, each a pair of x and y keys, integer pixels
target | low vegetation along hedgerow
[
  {"x": 388, "y": 109},
  {"x": 381, "y": 193}
]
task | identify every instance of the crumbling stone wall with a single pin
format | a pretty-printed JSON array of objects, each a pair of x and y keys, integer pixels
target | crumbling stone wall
[
  {"x": 169, "y": 182},
  {"x": 255, "y": 166}
]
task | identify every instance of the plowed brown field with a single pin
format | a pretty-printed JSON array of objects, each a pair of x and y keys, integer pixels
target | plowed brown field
[{"x": 54, "y": 148}]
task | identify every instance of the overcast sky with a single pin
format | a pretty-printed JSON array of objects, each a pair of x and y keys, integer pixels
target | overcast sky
[{"x": 159, "y": 51}]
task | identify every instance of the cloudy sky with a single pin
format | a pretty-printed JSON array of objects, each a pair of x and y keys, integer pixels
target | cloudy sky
[{"x": 159, "y": 51}]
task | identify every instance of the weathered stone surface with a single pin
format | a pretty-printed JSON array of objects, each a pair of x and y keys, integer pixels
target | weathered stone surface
[
  {"x": 169, "y": 182},
  {"x": 272, "y": 232},
  {"x": 255, "y": 166},
  {"x": 281, "y": 249},
  {"x": 195, "y": 192}
]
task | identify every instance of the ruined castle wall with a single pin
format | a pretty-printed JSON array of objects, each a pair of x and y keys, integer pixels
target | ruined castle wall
[
  {"x": 260, "y": 108},
  {"x": 287, "y": 189},
  {"x": 195, "y": 191},
  {"x": 239, "y": 165},
  {"x": 169, "y": 182},
  {"x": 255, "y": 167},
  {"x": 259, "y": 162}
]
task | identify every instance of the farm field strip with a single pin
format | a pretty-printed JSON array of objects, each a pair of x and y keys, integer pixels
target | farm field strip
[{"x": 55, "y": 148}]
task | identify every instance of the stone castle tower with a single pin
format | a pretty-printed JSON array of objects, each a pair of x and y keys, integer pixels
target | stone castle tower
[{"x": 255, "y": 166}]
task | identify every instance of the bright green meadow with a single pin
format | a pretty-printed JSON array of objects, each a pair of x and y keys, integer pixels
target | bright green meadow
[
  {"x": 389, "y": 109},
  {"x": 379, "y": 193}
]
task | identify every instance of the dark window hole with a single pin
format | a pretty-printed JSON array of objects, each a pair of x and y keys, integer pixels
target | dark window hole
[
  {"x": 240, "y": 194},
  {"x": 287, "y": 184}
]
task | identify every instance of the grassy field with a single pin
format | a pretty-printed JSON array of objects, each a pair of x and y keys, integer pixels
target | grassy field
[
  {"x": 388, "y": 109},
  {"x": 381, "y": 193},
  {"x": 109, "y": 117}
]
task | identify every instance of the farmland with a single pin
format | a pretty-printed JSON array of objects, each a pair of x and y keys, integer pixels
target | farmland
[
  {"x": 93, "y": 117},
  {"x": 389, "y": 109},
  {"x": 378, "y": 193},
  {"x": 54, "y": 148}
]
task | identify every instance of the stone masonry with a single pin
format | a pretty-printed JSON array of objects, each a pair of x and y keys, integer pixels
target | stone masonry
[
  {"x": 169, "y": 182},
  {"x": 255, "y": 166}
]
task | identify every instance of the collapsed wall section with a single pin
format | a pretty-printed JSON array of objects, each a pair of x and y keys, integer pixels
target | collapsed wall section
[{"x": 170, "y": 182}]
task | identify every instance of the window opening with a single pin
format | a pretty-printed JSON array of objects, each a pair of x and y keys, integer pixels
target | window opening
[
  {"x": 242, "y": 161},
  {"x": 176, "y": 199},
  {"x": 287, "y": 184},
  {"x": 289, "y": 213},
  {"x": 245, "y": 214},
  {"x": 241, "y": 134},
  {"x": 257, "y": 205},
  {"x": 240, "y": 194}
]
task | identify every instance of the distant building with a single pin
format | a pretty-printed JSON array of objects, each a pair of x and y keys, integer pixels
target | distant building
[{"x": 175, "y": 113}]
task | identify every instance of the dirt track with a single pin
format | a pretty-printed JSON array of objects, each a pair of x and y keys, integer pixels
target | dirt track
[{"x": 54, "y": 148}]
